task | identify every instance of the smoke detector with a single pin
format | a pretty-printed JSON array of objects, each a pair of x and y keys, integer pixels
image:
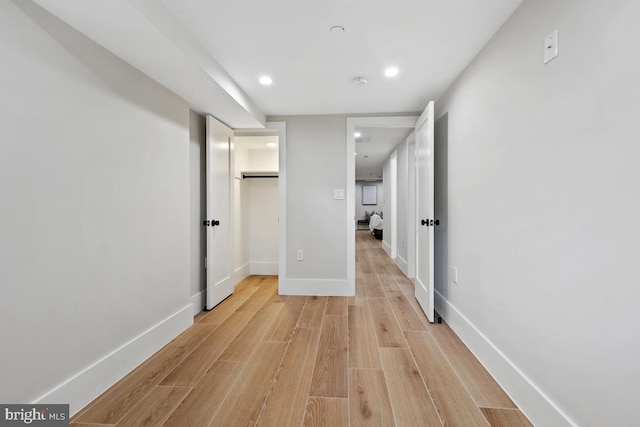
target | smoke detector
[{"x": 359, "y": 81}]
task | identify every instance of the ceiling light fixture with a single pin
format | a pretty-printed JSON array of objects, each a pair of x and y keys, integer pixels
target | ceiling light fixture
[
  {"x": 270, "y": 144},
  {"x": 266, "y": 80},
  {"x": 357, "y": 134},
  {"x": 359, "y": 81},
  {"x": 391, "y": 72},
  {"x": 336, "y": 30}
]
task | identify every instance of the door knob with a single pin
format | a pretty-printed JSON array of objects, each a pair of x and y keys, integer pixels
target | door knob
[
  {"x": 215, "y": 222},
  {"x": 423, "y": 222},
  {"x": 437, "y": 222}
]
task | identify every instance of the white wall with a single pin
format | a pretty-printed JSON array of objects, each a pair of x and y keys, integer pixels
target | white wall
[
  {"x": 263, "y": 160},
  {"x": 316, "y": 223},
  {"x": 263, "y": 225},
  {"x": 544, "y": 208},
  {"x": 241, "y": 240},
  {"x": 94, "y": 183},
  {"x": 198, "y": 208},
  {"x": 360, "y": 208}
]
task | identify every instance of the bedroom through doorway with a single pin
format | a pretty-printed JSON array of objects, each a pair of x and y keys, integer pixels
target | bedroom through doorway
[{"x": 381, "y": 182}]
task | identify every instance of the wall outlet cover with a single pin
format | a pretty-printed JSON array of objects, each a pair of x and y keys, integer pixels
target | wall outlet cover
[{"x": 551, "y": 46}]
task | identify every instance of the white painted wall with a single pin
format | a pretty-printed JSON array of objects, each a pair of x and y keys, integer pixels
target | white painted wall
[
  {"x": 198, "y": 209},
  {"x": 241, "y": 240},
  {"x": 95, "y": 246},
  {"x": 360, "y": 208},
  {"x": 263, "y": 225},
  {"x": 316, "y": 223},
  {"x": 544, "y": 208},
  {"x": 263, "y": 160}
]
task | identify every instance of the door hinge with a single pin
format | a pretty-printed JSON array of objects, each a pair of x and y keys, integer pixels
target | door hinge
[{"x": 205, "y": 262}]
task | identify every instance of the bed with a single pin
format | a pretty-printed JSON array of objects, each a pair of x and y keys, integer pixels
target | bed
[{"x": 375, "y": 226}]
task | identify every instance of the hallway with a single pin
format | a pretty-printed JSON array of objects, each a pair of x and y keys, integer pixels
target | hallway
[{"x": 263, "y": 359}]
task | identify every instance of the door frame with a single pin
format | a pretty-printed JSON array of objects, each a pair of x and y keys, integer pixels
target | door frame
[
  {"x": 352, "y": 124},
  {"x": 411, "y": 205}
]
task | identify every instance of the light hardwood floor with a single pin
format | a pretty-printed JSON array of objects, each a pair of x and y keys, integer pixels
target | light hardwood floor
[{"x": 259, "y": 359}]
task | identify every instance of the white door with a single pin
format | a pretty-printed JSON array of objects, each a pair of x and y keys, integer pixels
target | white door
[
  {"x": 218, "y": 221},
  {"x": 424, "y": 211}
]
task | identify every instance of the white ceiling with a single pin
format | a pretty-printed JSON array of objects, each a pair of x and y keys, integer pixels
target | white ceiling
[
  {"x": 373, "y": 147},
  {"x": 430, "y": 41},
  {"x": 212, "y": 53}
]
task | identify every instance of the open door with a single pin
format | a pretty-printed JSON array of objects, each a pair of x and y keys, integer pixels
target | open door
[
  {"x": 424, "y": 211},
  {"x": 219, "y": 278}
]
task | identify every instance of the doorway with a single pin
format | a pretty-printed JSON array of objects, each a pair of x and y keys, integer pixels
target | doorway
[
  {"x": 363, "y": 132},
  {"x": 242, "y": 181},
  {"x": 417, "y": 166}
]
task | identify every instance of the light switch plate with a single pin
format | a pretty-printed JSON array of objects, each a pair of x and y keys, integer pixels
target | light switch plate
[
  {"x": 338, "y": 194},
  {"x": 551, "y": 46}
]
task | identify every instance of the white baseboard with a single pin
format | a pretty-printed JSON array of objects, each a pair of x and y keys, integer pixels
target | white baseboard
[
  {"x": 387, "y": 248},
  {"x": 532, "y": 401},
  {"x": 198, "y": 301},
  {"x": 241, "y": 273},
  {"x": 319, "y": 287},
  {"x": 402, "y": 264},
  {"x": 92, "y": 381},
  {"x": 264, "y": 268}
]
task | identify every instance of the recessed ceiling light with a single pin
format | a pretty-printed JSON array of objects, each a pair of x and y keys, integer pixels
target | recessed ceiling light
[
  {"x": 336, "y": 30},
  {"x": 355, "y": 154},
  {"x": 266, "y": 80},
  {"x": 357, "y": 134},
  {"x": 391, "y": 72},
  {"x": 270, "y": 144}
]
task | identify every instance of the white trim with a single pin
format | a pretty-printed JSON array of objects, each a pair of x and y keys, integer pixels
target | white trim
[
  {"x": 264, "y": 268},
  {"x": 240, "y": 273},
  {"x": 411, "y": 205},
  {"x": 387, "y": 248},
  {"x": 532, "y": 401},
  {"x": 93, "y": 380},
  {"x": 393, "y": 201},
  {"x": 350, "y": 243},
  {"x": 281, "y": 127},
  {"x": 402, "y": 264},
  {"x": 319, "y": 287},
  {"x": 198, "y": 301}
]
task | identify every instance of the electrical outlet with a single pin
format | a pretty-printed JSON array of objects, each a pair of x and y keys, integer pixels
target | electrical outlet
[
  {"x": 300, "y": 255},
  {"x": 454, "y": 274}
]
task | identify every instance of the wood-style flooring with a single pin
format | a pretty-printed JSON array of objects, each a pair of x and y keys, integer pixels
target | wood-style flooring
[{"x": 259, "y": 359}]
